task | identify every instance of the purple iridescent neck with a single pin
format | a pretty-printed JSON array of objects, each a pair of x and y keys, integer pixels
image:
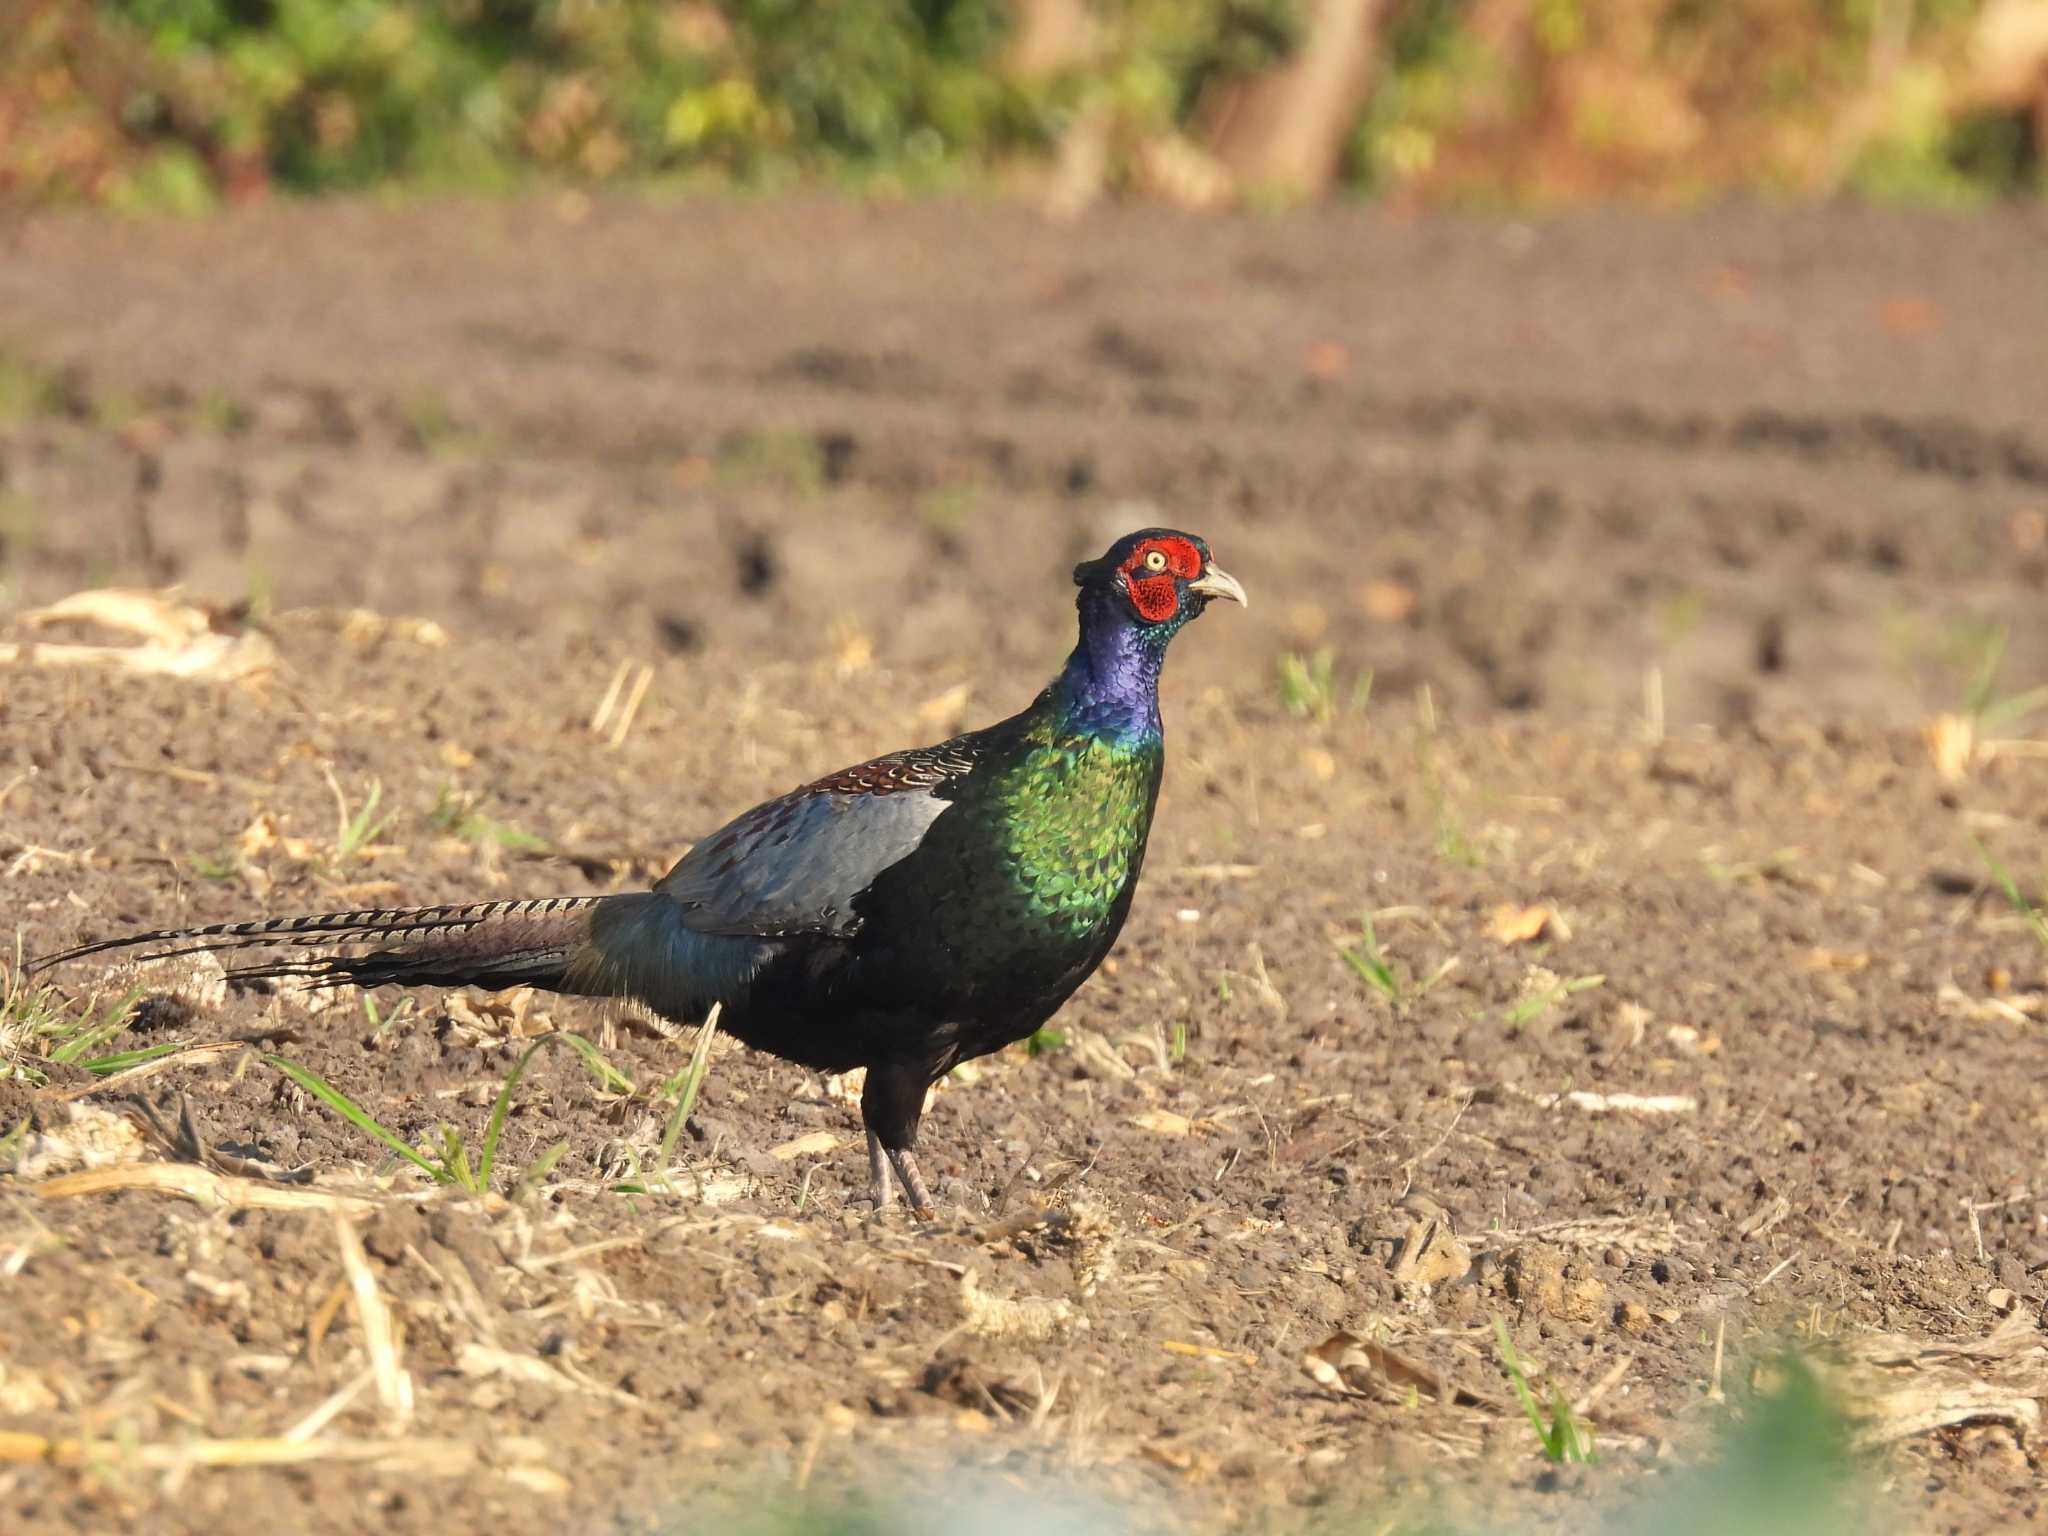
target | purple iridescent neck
[{"x": 1109, "y": 687}]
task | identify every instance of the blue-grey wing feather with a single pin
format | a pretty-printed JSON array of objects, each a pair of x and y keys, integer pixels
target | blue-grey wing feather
[{"x": 796, "y": 864}]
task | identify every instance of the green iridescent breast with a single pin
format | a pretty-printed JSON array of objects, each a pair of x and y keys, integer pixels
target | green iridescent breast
[{"x": 1073, "y": 813}]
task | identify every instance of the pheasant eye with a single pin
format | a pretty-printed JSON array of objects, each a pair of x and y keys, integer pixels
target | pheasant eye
[{"x": 1155, "y": 560}]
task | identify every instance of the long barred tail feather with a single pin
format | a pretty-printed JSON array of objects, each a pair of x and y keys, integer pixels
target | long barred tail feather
[{"x": 489, "y": 944}]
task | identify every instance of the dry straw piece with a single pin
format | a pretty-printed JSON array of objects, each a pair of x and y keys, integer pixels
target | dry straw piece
[
  {"x": 380, "y": 1329},
  {"x": 177, "y": 638},
  {"x": 517, "y": 1458},
  {"x": 202, "y": 1185},
  {"x": 1026, "y": 1317},
  {"x": 1896, "y": 1387}
]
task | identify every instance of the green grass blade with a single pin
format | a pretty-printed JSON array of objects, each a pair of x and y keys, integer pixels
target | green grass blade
[
  {"x": 1042, "y": 1040},
  {"x": 1977, "y": 695},
  {"x": 357, "y": 1116},
  {"x": 121, "y": 1061},
  {"x": 1372, "y": 971},
  {"x": 2010, "y": 711},
  {"x": 494, "y": 1128},
  {"x": 1573, "y": 1442},
  {"x": 607, "y": 1075},
  {"x": 542, "y": 1167},
  {"x": 692, "y": 1081},
  {"x": 1535, "y": 1006},
  {"x": 1561, "y": 1436},
  {"x": 455, "y": 1158},
  {"x": 93, "y": 1036},
  {"x": 1512, "y": 1364},
  {"x": 1370, "y": 962},
  {"x": 2002, "y": 878}
]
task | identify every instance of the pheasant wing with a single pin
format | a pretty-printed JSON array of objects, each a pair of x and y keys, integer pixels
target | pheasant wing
[{"x": 796, "y": 864}]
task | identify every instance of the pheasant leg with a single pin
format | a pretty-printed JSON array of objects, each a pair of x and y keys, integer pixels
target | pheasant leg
[
  {"x": 890, "y": 1104},
  {"x": 914, "y": 1191},
  {"x": 881, "y": 1187}
]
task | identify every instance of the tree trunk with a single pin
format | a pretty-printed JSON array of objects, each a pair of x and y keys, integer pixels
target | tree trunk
[
  {"x": 1286, "y": 128},
  {"x": 1050, "y": 35}
]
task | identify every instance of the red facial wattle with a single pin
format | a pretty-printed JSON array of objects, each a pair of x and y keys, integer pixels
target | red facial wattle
[
  {"x": 1155, "y": 593},
  {"x": 1155, "y": 597}
]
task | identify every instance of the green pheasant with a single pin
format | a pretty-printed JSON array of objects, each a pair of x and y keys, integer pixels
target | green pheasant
[{"x": 902, "y": 915}]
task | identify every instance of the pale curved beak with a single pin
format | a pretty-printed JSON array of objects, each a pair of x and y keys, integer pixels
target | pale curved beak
[{"x": 1217, "y": 582}]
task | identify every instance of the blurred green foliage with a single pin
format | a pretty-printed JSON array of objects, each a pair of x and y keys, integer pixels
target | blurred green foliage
[
  {"x": 176, "y": 104},
  {"x": 169, "y": 101},
  {"x": 351, "y": 92}
]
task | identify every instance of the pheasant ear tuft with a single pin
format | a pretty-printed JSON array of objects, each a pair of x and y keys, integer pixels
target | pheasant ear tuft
[{"x": 1085, "y": 571}]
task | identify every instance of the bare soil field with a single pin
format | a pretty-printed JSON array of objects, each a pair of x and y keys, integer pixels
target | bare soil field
[{"x": 1627, "y": 966}]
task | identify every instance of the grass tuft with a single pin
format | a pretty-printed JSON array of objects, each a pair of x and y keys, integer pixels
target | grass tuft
[
  {"x": 1309, "y": 689},
  {"x": 1988, "y": 712},
  {"x": 1044, "y": 1040},
  {"x": 453, "y": 1165},
  {"x": 1540, "y": 1002},
  {"x": 1563, "y": 1438},
  {"x": 2002, "y": 878},
  {"x": 686, "y": 1085},
  {"x": 215, "y": 868},
  {"x": 38, "y": 1029},
  {"x": 316, "y": 1085},
  {"x": 356, "y": 830},
  {"x": 457, "y": 815},
  {"x": 1383, "y": 974}
]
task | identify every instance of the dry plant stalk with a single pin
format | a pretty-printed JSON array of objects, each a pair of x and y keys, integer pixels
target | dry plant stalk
[
  {"x": 201, "y": 1185},
  {"x": 1356, "y": 1366},
  {"x": 1094, "y": 1239},
  {"x": 519, "y": 1459},
  {"x": 380, "y": 1328},
  {"x": 177, "y": 638},
  {"x": 1611, "y": 1103},
  {"x": 1026, "y": 1317},
  {"x": 613, "y": 718},
  {"x": 1897, "y": 1387}
]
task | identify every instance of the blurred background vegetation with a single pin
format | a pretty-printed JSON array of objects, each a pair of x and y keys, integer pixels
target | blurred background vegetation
[{"x": 181, "y": 105}]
